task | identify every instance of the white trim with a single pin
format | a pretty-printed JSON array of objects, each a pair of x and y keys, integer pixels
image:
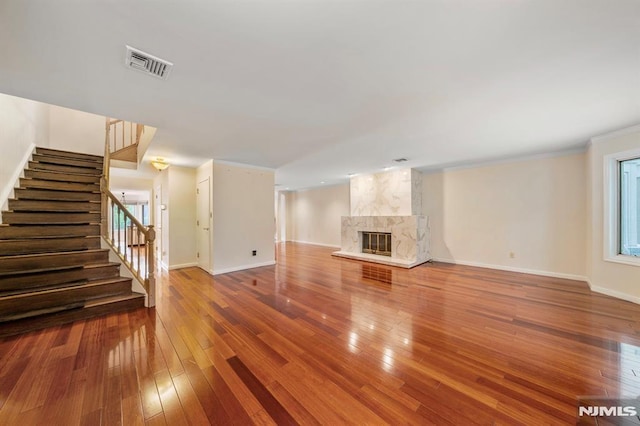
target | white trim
[
  {"x": 614, "y": 293},
  {"x": 616, "y": 134},
  {"x": 242, "y": 165},
  {"x": 315, "y": 244},
  {"x": 164, "y": 266},
  {"x": 182, "y": 265},
  {"x": 17, "y": 173},
  {"x": 242, "y": 267},
  {"x": 513, "y": 269},
  {"x": 611, "y": 206}
]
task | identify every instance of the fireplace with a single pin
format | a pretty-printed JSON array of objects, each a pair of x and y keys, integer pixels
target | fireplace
[{"x": 376, "y": 243}]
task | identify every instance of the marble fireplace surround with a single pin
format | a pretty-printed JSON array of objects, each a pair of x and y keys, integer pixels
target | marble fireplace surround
[{"x": 409, "y": 239}]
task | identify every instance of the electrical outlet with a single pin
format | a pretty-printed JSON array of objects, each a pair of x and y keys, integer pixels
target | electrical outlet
[{"x": 254, "y": 253}]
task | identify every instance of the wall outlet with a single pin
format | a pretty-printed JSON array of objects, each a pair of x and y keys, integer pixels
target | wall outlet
[{"x": 254, "y": 252}]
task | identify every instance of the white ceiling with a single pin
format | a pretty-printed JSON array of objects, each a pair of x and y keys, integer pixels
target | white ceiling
[{"x": 320, "y": 88}]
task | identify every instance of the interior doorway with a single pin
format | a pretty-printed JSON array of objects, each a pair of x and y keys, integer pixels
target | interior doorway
[{"x": 203, "y": 223}]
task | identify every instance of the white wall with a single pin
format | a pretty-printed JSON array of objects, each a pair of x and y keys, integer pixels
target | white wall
[
  {"x": 243, "y": 217},
  {"x": 616, "y": 279},
  {"x": 77, "y": 131},
  {"x": 178, "y": 231},
  {"x": 182, "y": 217},
  {"x": 24, "y": 124},
  {"x": 534, "y": 209},
  {"x": 314, "y": 216}
]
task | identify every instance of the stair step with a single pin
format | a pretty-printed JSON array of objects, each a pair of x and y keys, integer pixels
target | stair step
[
  {"x": 34, "y": 165},
  {"x": 92, "y": 308},
  {"x": 48, "y": 245},
  {"x": 11, "y": 265},
  {"x": 51, "y": 194},
  {"x": 128, "y": 153},
  {"x": 61, "y": 176},
  {"x": 44, "y": 231},
  {"x": 62, "y": 186},
  {"x": 29, "y": 280},
  {"x": 53, "y": 206},
  {"x": 17, "y": 218},
  {"x": 67, "y": 154},
  {"x": 20, "y": 305},
  {"x": 64, "y": 161}
]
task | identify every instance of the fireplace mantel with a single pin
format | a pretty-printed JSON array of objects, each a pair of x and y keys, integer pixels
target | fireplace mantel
[{"x": 409, "y": 234}]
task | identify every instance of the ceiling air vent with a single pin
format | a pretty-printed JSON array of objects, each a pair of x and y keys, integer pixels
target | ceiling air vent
[{"x": 148, "y": 64}]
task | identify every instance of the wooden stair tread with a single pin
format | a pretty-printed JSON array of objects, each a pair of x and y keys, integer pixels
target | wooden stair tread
[
  {"x": 69, "y": 154},
  {"x": 61, "y": 176},
  {"x": 27, "y": 183},
  {"x": 52, "y": 218},
  {"x": 47, "y": 278},
  {"x": 53, "y": 205},
  {"x": 74, "y": 170},
  {"x": 48, "y": 245},
  {"x": 90, "y": 309},
  {"x": 14, "y": 264},
  {"x": 67, "y": 161},
  {"x": 110, "y": 299},
  {"x": 50, "y": 194},
  {"x": 60, "y": 288},
  {"x": 58, "y": 268},
  {"x": 20, "y": 231}
]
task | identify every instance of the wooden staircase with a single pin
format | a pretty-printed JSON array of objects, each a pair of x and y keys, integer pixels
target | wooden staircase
[{"x": 52, "y": 269}]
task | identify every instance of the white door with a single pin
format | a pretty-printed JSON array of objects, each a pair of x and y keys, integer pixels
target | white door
[{"x": 203, "y": 223}]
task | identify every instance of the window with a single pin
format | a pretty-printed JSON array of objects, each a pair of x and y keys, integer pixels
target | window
[
  {"x": 629, "y": 207},
  {"x": 622, "y": 207}
]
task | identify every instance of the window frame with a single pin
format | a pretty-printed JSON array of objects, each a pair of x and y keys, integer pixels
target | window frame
[{"x": 612, "y": 207}]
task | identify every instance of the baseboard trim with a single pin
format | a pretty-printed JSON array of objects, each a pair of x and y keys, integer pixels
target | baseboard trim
[
  {"x": 315, "y": 244},
  {"x": 614, "y": 293},
  {"x": 17, "y": 173},
  {"x": 242, "y": 267},
  {"x": 513, "y": 269},
  {"x": 183, "y": 265}
]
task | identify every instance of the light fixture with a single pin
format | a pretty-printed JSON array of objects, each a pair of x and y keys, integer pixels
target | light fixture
[{"x": 160, "y": 164}]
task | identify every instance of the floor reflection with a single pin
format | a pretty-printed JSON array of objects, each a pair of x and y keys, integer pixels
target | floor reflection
[{"x": 377, "y": 273}]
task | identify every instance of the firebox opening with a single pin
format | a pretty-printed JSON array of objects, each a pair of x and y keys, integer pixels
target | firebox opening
[{"x": 376, "y": 243}]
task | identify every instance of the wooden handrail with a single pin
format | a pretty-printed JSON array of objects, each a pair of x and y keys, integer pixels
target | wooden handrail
[
  {"x": 127, "y": 213},
  {"x": 143, "y": 268}
]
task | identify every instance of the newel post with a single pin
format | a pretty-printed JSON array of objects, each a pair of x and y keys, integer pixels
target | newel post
[{"x": 151, "y": 265}]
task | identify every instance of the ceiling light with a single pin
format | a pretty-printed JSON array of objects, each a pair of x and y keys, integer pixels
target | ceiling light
[{"x": 160, "y": 164}]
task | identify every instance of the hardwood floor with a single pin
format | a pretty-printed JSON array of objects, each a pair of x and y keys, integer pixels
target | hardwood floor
[{"x": 324, "y": 340}]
